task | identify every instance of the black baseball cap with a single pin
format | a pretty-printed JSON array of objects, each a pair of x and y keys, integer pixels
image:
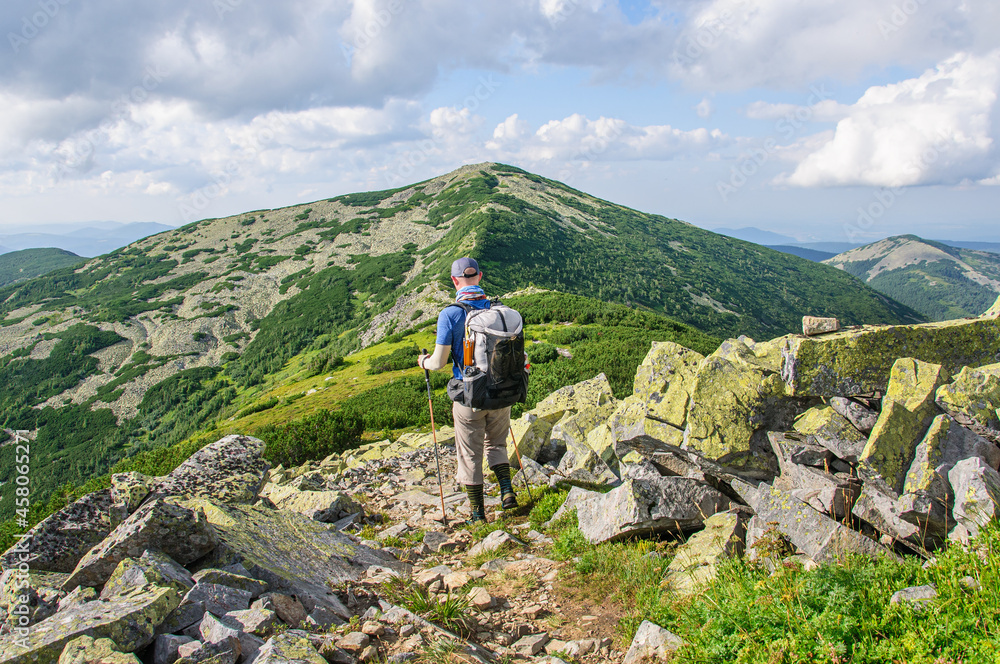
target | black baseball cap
[{"x": 465, "y": 267}]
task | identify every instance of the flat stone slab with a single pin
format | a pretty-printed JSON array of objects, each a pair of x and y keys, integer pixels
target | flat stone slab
[
  {"x": 230, "y": 470},
  {"x": 819, "y": 537},
  {"x": 58, "y": 542},
  {"x": 128, "y": 620}
]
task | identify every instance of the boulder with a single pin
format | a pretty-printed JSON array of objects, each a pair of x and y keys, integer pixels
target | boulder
[
  {"x": 828, "y": 493},
  {"x": 531, "y": 469},
  {"x": 977, "y": 493},
  {"x": 652, "y": 643},
  {"x": 165, "y": 648},
  {"x": 818, "y": 536},
  {"x": 221, "y": 630},
  {"x": 27, "y": 597},
  {"x": 916, "y": 597},
  {"x": 128, "y": 490},
  {"x": 572, "y": 429},
  {"x": 589, "y": 393},
  {"x": 218, "y": 599},
  {"x": 532, "y": 435},
  {"x": 735, "y": 400},
  {"x": 640, "y": 507},
  {"x": 859, "y": 415},
  {"x": 493, "y": 542},
  {"x": 128, "y": 620},
  {"x": 288, "y": 648},
  {"x": 232, "y": 580},
  {"x": 858, "y": 360},
  {"x": 230, "y": 470},
  {"x": 907, "y": 411},
  {"x": 181, "y": 533},
  {"x": 573, "y": 500},
  {"x": 291, "y": 552},
  {"x": 58, "y": 542},
  {"x": 665, "y": 379},
  {"x": 324, "y": 506},
  {"x": 87, "y": 650},
  {"x": 153, "y": 567},
  {"x": 80, "y": 595},
  {"x": 813, "y": 325},
  {"x": 927, "y": 494},
  {"x": 695, "y": 562},
  {"x": 973, "y": 397},
  {"x": 580, "y": 460},
  {"x": 182, "y": 617},
  {"x": 289, "y": 609},
  {"x": 824, "y": 426},
  {"x": 882, "y": 512}
]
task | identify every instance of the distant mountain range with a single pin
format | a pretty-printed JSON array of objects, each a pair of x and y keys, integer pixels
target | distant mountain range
[
  {"x": 92, "y": 240},
  {"x": 936, "y": 279},
  {"x": 29, "y": 263}
]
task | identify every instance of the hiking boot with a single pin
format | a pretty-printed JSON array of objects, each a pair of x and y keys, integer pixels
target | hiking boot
[
  {"x": 476, "y": 518},
  {"x": 508, "y": 501}
]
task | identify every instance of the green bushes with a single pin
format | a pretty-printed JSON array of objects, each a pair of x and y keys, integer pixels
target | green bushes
[
  {"x": 401, "y": 403},
  {"x": 541, "y": 353},
  {"x": 401, "y": 358},
  {"x": 317, "y": 436},
  {"x": 325, "y": 362}
]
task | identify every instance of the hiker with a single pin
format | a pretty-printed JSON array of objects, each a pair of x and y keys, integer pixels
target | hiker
[{"x": 478, "y": 431}]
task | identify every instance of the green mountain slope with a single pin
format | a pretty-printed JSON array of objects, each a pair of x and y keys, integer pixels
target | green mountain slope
[
  {"x": 936, "y": 279},
  {"x": 147, "y": 346},
  {"x": 29, "y": 263}
]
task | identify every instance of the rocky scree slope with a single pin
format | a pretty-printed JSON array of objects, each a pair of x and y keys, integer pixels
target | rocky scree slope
[
  {"x": 938, "y": 280},
  {"x": 874, "y": 440}
]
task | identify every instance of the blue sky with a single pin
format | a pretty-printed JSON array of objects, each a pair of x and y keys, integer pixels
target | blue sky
[{"x": 828, "y": 121}]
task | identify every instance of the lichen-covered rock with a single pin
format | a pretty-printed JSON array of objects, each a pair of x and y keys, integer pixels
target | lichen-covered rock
[
  {"x": 218, "y": 599},
  {"x": 630, "y": 429},
  {"x": 128, "y": 620},
  {"x": 86, "y": 650},
  {"x": 154, "y": 567},
  {"x": 288, "y": 649},
  {"x": 185, "y": 615},
  {"x": 826, "y": 492},
  {"x": 882, "y": 512},
  {"x": 927, "y": 493},
  {"x": 823, "y": 425},
  {"x": 225, "y": 578},
  {"x": 230, "y": 470},
  {"x": 977, "y": 493},
  {"x": 177, "y": 531},
  {"x": 813, "y": 325},
  {"x": 219, "y": 630},
  {"x": 652, "y": 643},
  {"x": 26, "y": 598},
  {"x": 255, "y": 620},
  {"x": 860, "y": 416},
  {"x": 165, "y": 648},
  {"x": 664, "y": 380},
  {"x": 572, "y": 429},
  {"x": 734, "y": 402},
  {"x": 973, "y": 398},
  {"x": 532, "y": 435},
  {"x": 696, "y": 561},
  {"x": 581, "y": 461},
  {"x": 291, "y": 552},
  {"x": 640, "y": 507},
  {"x": 573, "y": 500},
  {"x": 589, "y": 393},
  {"x": 128, "y": 490},
  {"x": 818, "y": 536},
  {"x": 60, "y": 540},
  {"x": 324, "y": 506},
  {"x": 907, "y": 411},
  {"x": 859, "y": 360}
]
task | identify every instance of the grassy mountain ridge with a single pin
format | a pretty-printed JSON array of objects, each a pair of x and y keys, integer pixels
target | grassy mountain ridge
[
  {"x": 29, "y": 263},
  {"x": 939, "y": 280},
  {"x": 147, "y": 346}
]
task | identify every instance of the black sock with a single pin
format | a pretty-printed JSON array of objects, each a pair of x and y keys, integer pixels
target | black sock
[
  {"x": 502, "y": 472},
  {"x": 476, "y": 504}
]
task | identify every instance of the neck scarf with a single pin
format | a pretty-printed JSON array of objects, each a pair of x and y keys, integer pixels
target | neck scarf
[{"x": 470, "y": 293}]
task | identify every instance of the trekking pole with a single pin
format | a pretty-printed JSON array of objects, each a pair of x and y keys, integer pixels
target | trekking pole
[
  {"x": 437, "y": 458},
  {"x": 524, "y": 474}
]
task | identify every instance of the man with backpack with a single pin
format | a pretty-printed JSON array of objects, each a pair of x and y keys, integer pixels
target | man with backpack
[{"x": 486, "y": 342}]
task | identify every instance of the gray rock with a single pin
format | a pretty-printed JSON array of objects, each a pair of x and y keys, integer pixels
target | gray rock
[
  {"x": 354, "y": 642},
  {"x": 27, "y": 598},
  {"x": 128, "y": 620},
  {"x": 534, "y": 471},
  {"x": 652, "y": 643},
  {"x": 647, "y": 506},
  {"x": 257, "y": 621},
  {"x": 87, "y": 650},
  {"x": 977, "y": 493},
  {"x": 827, "y": 427},
  {"x": 531, "y": 644},
  {"x": 219, "y": 599},
  {"x": 225, "y": 651},
  {"x": 860, "y": 416},
  {"x": 165, "y": 648},
  {"x": 220, "y": 630},
  {"x": 819, "y": 537},
  {"x": 153, "y": 567},
  {"x": 916, "y": 597},
  {"x": 182, "y": 617},
  {"x": 81, "y": 595},
  {"x": 230, "y": 470},
  {"x": 493, "y": 542},
  {"x": 880, "y": 509},
  {"x": 180, "y": 533},
  {"x": 436, "y": 541},
  {"x": 827, "y": 493},
  {"x": 813, "y": 325},
  {"x": 289, "y": 609},
  {"x": 395, "y": 531},
  {"x": 696, "y": 560},
  {"x": 223, "y": 578},
  {"x": 60, "y": 540},
  {"x": 128, "y": 490},
  {"x": 289, "y": 648}
]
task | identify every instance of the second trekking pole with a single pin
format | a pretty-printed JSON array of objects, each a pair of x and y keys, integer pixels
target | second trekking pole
[
  {"x": 437, "y": 457},
  {"x": 524, "y": 473}
]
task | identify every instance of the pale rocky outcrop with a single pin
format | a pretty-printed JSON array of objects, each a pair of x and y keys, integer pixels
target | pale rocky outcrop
[
  {"x": 973, "y": 398},
  {"x": 695, "y": 562}
]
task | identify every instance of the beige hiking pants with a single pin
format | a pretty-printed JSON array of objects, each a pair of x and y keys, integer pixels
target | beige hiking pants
[{"x": 477, "y": 431}]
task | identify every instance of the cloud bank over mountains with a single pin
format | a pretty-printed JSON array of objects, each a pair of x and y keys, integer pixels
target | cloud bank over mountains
[{"x": 193, "y": 102}]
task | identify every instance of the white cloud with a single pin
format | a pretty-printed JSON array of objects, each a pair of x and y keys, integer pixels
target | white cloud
[
  {"x": 704, "y": 108},
  {"x": 938, "y": 128},
  {"x": 605, "y": 139}
]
